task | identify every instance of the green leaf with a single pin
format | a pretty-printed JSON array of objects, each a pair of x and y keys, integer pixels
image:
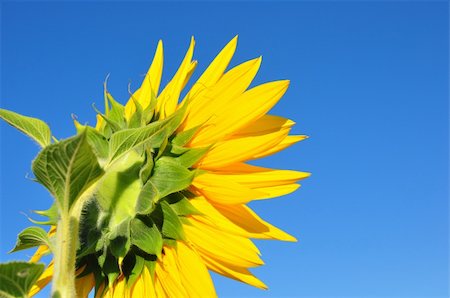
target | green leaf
[
  {"x": 51, "y": 213},
  {"x": 37, "y": 129},
  {"x": 150, "y": 264},
  {"x": 137, "y": 119},
  {"x": 117, "y": 111},
  {"x": 184, "y": 137},
  {"x": 17, "y": 278},
  {"x": 181, "y": 205},
  {"x": 147, "y": 167},
  {"x": 111, "y": 269},
  {"x": 97, "y": 141},
  {"x": 136, "y": 270},
  {"x": 169, "y": 176},
  {"x": 67, "y": 169},
  {"x": 147, "y": 197},
  {"x": 166, "y": 217},
  {"x": 31, "y": 237},
  {"x": 146, "y": 237},
  {"x": 127, "y": 139},
  {"x": 192, "y": 156},
  {"x": 120, "y": 239},
  {"x": 152, "y": 134}
]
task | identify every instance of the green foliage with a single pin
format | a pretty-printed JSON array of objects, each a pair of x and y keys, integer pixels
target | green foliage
[
  {"x": 17, "y": 278},
  {"x": 169, "y": 176},
  {"x": 31, "y": 237},
  {"x": 181, "y": 205},
  {"x": 67, "y": 169},
  {"x": 146, "y": 236},
  {"x": 147, "y": 198},
  {"x": 34, "y": 128},
  {"x": 51, "y": 213},
  {"x": 167, "y": 219}
]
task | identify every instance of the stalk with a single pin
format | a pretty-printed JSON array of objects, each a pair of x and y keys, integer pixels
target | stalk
[{"x": 64, "y": 257}]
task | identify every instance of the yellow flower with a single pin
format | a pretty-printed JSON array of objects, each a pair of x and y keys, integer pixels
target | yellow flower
[{"x": 224, "y": 125}]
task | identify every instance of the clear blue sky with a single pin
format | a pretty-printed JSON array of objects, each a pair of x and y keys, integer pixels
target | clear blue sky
[{"x": 369, "y": 85}]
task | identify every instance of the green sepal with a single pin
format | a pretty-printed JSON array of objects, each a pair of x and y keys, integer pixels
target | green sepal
[
  {"x": 167, "y": 219},
  {"x": 146, "y": 236},
  {"x": 119, "y": 239},
  {"x": 153, "y": 135},
  {"x": 181, "y": 205},
  {"x": 17, "y": 278},
  {"x": 31, "y": 237},
  {"x": 51, "y": 213},
  {"x": 147, "y": 167},
  {"x": 169, "y": 176},
  {"x": 37, "y": 129},
  {"x": 170, "y": 242},
  {"x": 136, "y": 270},
  {"x": 149, "y": 111},
  {"x": 112, "y": 125},
  {"x": 111, "y": 269},
  {"x": 137, "y": 119},
  {"x": 67, "y": 169},
  {"x": 147, "y": 197},
  {"x": 97, "y": 141},
  {"x": 117, "y": 111},
  {"x": 192, "y": 156},
  {"x": 182, "y": 138},
  {"x": 150, "y": 264}
]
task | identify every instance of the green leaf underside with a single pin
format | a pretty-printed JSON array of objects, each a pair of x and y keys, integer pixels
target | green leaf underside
[
  {"x": 169, "y": 176},
  {"x": 167, "y": 219},
  {"x": 31, "y": 237},
  {"x": 147, "y": 198},
  {"x": 184, "y": 137},
  {"x": 152, "y": 135},
  {"x": 17, "y": 278},
  {"x": 97, "y": 141},
  {"x": 67, "y": 169},
  {"x": 51, "y": 213},
  {"x": 37, "y": 129},
  {"x": 119, "y": 239},
  {"x": 146, "y": 236},
  {"x": 181, "y": 205}
]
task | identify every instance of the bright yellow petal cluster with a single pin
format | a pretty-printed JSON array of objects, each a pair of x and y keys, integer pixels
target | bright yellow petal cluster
[{"x": 232, "y": 122}]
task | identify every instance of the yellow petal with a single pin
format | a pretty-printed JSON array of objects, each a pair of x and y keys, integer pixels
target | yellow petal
[
  {"x": 168, "y": 99},
  {"x": 242, "y": 111},
  {"x": 214, "y": 71},
  {"x": 237, "y": 219},
  {"x": 234, "y": 272},
  {"x": 150, "y": 84},
  {"x": 143, "y": 287},
  {"x": 266, "y": 178},
  {"x": 167, "y": 280},
  {"x": 218, "y": 188},
  {"x": 287, "y": 142},
  {"x": 84, "y": 285},
  {"x": 248, "y": 220},
  {"x": 240, "y": 149},
  {"x": 43, "y": 280},
  {"x": 40, "y": 252},
  {"x": 264, "y": 125},
  {"x": 223, "y": 246},
  {"x": 194, "y": 274},
  {"x": 206, "y": 106},
  {"x": 277, "y": 191}
]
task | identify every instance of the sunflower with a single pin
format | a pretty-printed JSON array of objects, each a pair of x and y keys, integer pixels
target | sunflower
[{"x": 175, "y": 206}]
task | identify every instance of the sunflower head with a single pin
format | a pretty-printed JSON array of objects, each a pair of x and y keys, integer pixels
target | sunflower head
[{"x": 172, "y": 181}]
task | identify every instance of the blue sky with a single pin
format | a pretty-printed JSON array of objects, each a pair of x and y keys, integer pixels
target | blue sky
[{"x": 369, "y": 85}]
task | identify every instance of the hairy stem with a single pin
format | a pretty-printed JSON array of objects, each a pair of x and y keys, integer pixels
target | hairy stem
[{"x": 64, "y": 257}]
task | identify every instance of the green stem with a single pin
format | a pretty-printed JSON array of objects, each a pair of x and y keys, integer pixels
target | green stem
[{"x": 64, "y": 257}]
